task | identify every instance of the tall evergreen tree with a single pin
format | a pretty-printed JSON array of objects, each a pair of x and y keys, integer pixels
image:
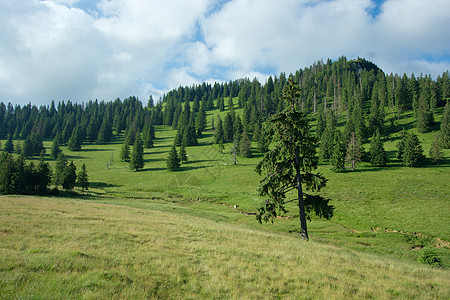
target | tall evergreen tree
[
  {"x": 436, "y": 153},
  {"x": 75, "y": 140},
  {"x": 353, "y": 151},
  {"x": 27, "y": 147},
  {"x": 55, "y": 148},
  {"x": 290, "y": 164},
  {"x": 83, "y": 178},
  {"x": 424, "y": 117},
  {"x": 70, "y": 177},
  {"x": 125, "y": 152},
  {"x": 182, "y": 154},
  {"x": 137, "y": 155},
  {"x": 338, "y": 155},
  {"x": 412, "y": 153},
  {"x": 9, "y": 145},
  {"x": 219, "y": 135},
  {"x": 105, "y": 132},
  {"x": 377, "y": 153},
  {"x": 173, "y": 160},
  {"x": 228, "y": 129},
  {"x": 245, "y": 147},
  {"x": 43, "y": 176},
  {"x": 444, "y": 133},
  {"x": 60, "y": 167}
]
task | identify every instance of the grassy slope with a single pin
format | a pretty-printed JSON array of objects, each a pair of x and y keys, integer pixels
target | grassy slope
[
  {"x": 391, "y": 211},
  {"x": 60, "y": 248}
]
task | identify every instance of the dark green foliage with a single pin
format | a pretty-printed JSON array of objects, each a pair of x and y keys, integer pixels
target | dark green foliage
[
  {"x": 125, "y": 152},
  {"x": 429, "y": 256},
  {"x": 182, "y": 154},
  {"x": 9, "y": 146},
  {"x": 245, "y": 147},
  {"x": 69, "y": 177},
  {"x": 55, "y": 148},
  {"x": 338, "y": 155},
  {"x": 290, "y": 164},
  {"x": 200, "y": 121},
  {"x": 444, "y": 133},
  {"x": 137, "y": 155},
  {"x": 436, "y": 153},
  {"x": 60, "y": 167},
  {"x": 16, "y": 177},
  {"x": 228, "y": 128},
  {"x": 173, "y": 160},
  {"x": 410, "y": 150},
  {"x": 219, "y": 135},
  {"x": 353, "y": 150},
  {"x": 424, "y": 115},
  {"x": 376, "y": 152},
  {"x": 263, "y": 141},
  {"x": 83, "y": 178},
  {"x": 105, "y": 132},
  {"x": 221, "y": 104},
  {"x": 75, "y": 140}
]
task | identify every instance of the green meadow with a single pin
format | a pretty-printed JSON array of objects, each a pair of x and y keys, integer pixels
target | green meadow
[{"x": 193, "y": 233}]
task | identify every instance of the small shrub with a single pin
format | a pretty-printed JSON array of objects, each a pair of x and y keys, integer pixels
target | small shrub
[{"x": 429, "y": 256}]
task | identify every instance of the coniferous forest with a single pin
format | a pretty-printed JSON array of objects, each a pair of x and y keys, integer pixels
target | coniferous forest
[{"x": 354, "y": 95}]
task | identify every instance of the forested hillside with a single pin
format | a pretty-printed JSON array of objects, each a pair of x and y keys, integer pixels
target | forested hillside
[{"x": 355, "y": 94}]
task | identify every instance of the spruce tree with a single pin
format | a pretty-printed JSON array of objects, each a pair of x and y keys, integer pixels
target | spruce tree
[
  {"x": 219, "y": 135},
  {"x": 27, "y": 147},
  {"x": 148, "y": 137},
  {"x": 137, "y": 155},
  {"x": 105, "y": 132},
  {"x": 182, "y": 154},
  {"x": 412, "y": 151},
  {"x": 125, "y": 152},
  {"x": 338, "y": 155},
  {"x": 75, "y": 140},
  {"x": 9, "y": 146},
  {"x": 55, "y": 148},
  {"x": 69, "y": 177},
  {"x": 444, "y": 133},
  {"x": 44, "y": 176},
  {"x": 424, "y": 117},
  {"x": 290, "y": 164},
  {"x": 228, "y": 129},
  {"x": 83, "y": 178},
  {"x": 245, "y": 147},
  {"x": 353, "y": 151},
  {"x": 436, "y": 153},
  {"x": 173, "y": 160},
  {"x": 376, "y": 152},
  {"x": 60, "y": 167}
]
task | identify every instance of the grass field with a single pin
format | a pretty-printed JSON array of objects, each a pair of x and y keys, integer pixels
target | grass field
[
  {"x": 177, "y": 234},
  {"x": 62, "y": 248}
]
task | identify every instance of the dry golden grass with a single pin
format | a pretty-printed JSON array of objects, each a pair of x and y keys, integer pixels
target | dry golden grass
[{"x": 62, "y": 248}]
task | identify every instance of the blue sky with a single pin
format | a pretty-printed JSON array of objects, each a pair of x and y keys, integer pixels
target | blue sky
[{"x": 80, "y": 50}]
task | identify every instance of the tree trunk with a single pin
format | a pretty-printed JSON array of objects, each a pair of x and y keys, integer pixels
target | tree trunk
[{"x": 301, "y": 202}]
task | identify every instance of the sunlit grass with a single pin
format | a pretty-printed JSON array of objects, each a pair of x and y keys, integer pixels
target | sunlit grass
[{"x": 59, "y": 248}]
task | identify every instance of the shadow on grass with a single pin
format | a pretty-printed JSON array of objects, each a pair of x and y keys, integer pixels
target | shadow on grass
[
  {"x": 95, "y": 150},
  {"x": 101, "y": 185}
]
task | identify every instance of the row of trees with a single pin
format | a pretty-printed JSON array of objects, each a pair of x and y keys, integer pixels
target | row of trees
[{"x": 18, "y": 177}]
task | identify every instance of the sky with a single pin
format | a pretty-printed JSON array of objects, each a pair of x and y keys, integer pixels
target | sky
[{"x": 81, "y": 50}]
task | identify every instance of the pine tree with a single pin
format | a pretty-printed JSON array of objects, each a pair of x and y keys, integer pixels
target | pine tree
[
  {"x": 125, "y": 152},
  {"x": 137, "y": 155},
  {"x": 9, "y": 146},
  {"x": 60, "y": 167},
  {"x": 228, "y": 129},
  {"x": 69, "y": 177},
  {"x": 75, "y": 140},
  {"x": 27, "y": 147},
  {"x": 338, "y": 155},
  {"x": 182, "y": 154},
  {"x": 148, "y": 137},
  {"x": 436, "y": 153},
  {"x": 290, "y": 165},
  {"x": 43, "y": 176},
  {"x": 173, "y": 160},
  {"x": 377, "y": 153},
  {"x": 444, "y": 133},
  {"x": 55, "y": 148},
  {"x": 424, "y": 117},
  {"x": 245, "y": 147},
  {"x": 83, "y": 178},
  {"x": 105, "y": 132},
  {"x": 219, "y": 135},
  {"x": 412, "y": 151},
  {"x": 353, "y": 151}
]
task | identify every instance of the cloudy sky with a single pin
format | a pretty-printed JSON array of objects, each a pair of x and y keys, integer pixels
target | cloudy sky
[{"x": 85, "y": 49}]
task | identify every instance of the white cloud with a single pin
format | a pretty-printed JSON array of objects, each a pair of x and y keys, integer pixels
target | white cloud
[{"x": 79, "y": 50}]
